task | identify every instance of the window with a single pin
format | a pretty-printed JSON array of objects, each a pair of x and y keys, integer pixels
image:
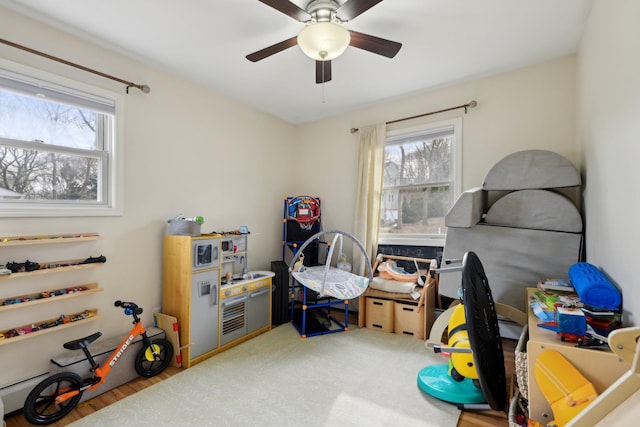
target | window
[
  {"x": 421, "y": 182},
  {"x": 58, "y": 143}
]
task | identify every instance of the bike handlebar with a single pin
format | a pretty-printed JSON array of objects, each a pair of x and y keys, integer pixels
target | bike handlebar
[{"x": 128, "y": 306}]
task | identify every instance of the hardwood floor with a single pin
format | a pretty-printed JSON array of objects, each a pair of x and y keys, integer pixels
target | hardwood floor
[
  {"x": 493, "y": 418},
  {"x": 467, "y": 418},
  {"x": 105, "y": 399}
]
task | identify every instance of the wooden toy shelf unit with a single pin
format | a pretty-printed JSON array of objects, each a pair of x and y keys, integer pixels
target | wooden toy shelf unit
[
  {"x": 601, "y": 368},
  {"x": 12, "y": 299}
]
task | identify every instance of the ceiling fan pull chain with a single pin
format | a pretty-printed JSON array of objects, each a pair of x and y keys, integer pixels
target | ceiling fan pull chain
[{"x": 323, "y": 54}]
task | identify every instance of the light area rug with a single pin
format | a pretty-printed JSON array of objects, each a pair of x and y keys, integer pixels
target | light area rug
[{"x": 361, "y": 377}]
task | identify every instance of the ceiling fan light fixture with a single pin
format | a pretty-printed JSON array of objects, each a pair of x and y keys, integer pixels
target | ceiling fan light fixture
[{"x": 324, "y": 41}]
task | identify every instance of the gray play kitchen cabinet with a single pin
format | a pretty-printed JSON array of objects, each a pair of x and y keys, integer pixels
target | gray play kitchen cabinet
[
  {"x": 212, "y": 315},
  {"x": 245, "y": 308}
]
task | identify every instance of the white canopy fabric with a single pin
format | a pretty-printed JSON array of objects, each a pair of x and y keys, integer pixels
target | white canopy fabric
[{"x": 331, "y": 281}]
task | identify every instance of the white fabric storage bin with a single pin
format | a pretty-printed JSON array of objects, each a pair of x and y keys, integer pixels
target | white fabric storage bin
[{"x": 184, "y": 227}]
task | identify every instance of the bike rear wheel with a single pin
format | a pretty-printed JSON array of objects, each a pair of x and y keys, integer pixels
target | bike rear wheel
[
  {"x": 147, "y": 364},
  {"x": 40, "y": 407}
]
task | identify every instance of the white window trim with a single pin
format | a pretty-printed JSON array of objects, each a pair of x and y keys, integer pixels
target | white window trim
[
  {"x": 115, "y": 203},
  {"x": 422, "y": 240}
]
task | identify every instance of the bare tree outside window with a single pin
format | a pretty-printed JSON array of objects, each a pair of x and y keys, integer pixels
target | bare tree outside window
[
  {"x": 60, "y": 146},
  {"x": 48, "y": 150},
  {"x": 418, "y": 183}
]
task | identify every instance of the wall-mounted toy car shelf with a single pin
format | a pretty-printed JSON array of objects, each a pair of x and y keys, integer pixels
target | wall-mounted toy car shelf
[
  {"x": 48, "y": 238},
  {"x": 54, "y": 267},
  {"x": 14, "y": 299},
  {"x": 21, "y": 301},
  {"x": 46, "y": 326}
]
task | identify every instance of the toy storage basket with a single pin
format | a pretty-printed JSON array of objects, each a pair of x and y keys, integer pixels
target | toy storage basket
[
  {"x": 183, "y": 227},
  {"x": 517, "y": 415},
  {"x": 522, "y": 367}
]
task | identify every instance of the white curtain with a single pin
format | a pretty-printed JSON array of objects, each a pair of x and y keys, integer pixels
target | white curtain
[{"x": 370, "y": 177}]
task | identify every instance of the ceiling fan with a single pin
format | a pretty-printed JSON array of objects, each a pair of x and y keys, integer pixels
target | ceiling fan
[{"x": 324, "y": 36}]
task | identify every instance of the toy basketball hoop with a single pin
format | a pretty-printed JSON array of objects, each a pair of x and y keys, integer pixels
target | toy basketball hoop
[{"x": 305, "y": 210}]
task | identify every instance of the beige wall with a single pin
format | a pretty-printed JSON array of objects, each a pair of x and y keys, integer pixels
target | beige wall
[
  {"x": 187, "y": 151},
  {"x": 609, "y": 136}
]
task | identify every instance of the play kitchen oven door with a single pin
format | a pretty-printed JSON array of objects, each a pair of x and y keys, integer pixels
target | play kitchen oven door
[
  {"x": 259, "y": 305},
  {"x": 233, "y": 313}
]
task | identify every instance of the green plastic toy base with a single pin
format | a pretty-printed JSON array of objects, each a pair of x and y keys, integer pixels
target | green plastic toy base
[{"x": 436, "y": 381}]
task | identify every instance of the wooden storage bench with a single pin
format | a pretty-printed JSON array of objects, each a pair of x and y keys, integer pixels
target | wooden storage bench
[
  {"x": 403, "y": 316},
  {"x": 398, "y": 312}
]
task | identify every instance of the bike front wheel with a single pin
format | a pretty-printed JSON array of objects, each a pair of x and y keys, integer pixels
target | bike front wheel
[
  {"x": 154, "y": 358},
  {"x": 40, "y": 407}
]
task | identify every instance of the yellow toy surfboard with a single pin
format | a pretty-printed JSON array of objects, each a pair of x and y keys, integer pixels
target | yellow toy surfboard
[{"x": 565, "y": 388}]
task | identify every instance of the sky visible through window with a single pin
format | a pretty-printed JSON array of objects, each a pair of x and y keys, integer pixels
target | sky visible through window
[{"x": 28, "y": 118}]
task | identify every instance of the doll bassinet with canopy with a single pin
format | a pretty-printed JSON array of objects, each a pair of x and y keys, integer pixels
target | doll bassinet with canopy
[{"x": 334, "y": 285}]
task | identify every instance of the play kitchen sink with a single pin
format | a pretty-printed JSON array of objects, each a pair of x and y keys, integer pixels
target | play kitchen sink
[
  {"x": 252, "y": 275},
  {"x": 258, "y": 274}
]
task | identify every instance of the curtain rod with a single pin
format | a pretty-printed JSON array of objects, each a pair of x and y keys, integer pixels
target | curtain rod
[
  {"x": 143, "y": 88},
  {"x": 471, "y": 104}
]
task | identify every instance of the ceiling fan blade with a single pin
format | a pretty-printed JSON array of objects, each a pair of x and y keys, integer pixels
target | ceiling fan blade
[
  {"x": 353, "y": 8},
  {"x": 288, "y": 8},
  {"x": 323, "y": 71},
  {"x": 272, "y": 50},
  {"x": 374, "y": 44}
]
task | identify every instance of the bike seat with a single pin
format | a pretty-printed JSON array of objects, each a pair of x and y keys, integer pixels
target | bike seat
[{"x": 82, "y": 342}]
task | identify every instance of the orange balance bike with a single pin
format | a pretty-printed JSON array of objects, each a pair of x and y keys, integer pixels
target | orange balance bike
[{"x": 57, "y": 395}]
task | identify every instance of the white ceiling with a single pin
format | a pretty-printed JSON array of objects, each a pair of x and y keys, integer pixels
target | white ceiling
[{"x": 206, "y": 41}]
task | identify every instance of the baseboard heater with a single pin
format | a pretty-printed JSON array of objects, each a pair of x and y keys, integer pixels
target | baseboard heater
[{"x": 14, "y": 395}]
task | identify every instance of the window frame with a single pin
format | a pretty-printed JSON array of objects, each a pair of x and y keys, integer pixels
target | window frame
[
  {"x": 456, "y": 173},
  {"x": 111, "y": 187}
]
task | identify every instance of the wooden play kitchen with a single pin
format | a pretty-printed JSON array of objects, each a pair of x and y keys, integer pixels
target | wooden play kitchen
[{"x": 212, "y": 314}]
